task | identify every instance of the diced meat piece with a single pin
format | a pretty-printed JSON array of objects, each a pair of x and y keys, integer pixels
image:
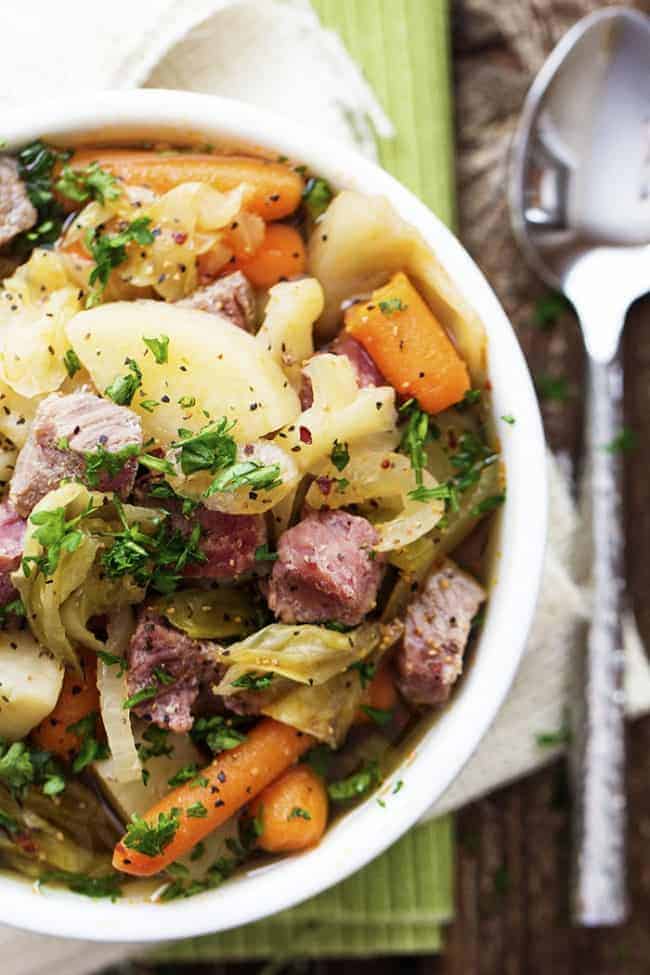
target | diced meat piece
[
  {"x": 178, "y": 667},
  {"x": 231, "y": 296},
  {"x": 227, "y": 541},
  {"x": 64, "y": 429},
  {"x": 436, "y": 631},
  {"x": 366, "y": 371},
  {"x": 12, "y": 535},
  {"x": 326, "y": 570},
  {"x": 17, "y": 212}
]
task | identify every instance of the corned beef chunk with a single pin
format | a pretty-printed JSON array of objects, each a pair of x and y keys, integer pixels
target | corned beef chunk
[
  {"x": 326, "y": 570},
  {"x": 65, "y": 430},
  {"x": 437, "y": 627},
  {"x": 164, "y": 660}
]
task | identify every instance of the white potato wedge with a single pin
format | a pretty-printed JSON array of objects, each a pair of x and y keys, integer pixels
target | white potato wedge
[
  {"x": 210, "y": 362},
  {"x": 30, "y": 683}
]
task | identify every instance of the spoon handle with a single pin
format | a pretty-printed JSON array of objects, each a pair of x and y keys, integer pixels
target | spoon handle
[{"x": 599, "y": 747}]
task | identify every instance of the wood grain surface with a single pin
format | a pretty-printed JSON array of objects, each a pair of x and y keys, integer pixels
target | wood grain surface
[{"x": 512, "y": 858}]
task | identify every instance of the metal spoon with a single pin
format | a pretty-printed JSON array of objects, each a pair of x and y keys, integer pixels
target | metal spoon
[{"x": 580, "y": 204}]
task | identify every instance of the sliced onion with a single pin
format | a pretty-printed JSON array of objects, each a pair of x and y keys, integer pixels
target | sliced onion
[{"x": 112, "y": 692}]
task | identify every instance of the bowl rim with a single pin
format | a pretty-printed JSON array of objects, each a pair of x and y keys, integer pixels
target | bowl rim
[{"x": 369, "y": 829}]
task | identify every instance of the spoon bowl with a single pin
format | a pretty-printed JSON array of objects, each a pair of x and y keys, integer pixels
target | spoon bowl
[{"x": 580, "y": 204}]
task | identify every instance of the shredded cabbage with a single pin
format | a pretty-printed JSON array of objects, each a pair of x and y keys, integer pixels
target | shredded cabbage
[{"x": 286, "y": 332}]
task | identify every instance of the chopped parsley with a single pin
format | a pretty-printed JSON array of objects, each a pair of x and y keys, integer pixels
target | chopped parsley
[
  {"x": 123, "y": 388},
  {"x": 318, "y": 759},
  {"x": 160, "y": 466},
  {"x": 340, "y": 455},
  {"x": 553, "y": 739},
  {"x": 216, "y": 734},
  {"x": 337, "y": 627},
  {"x": 187, "y": 402},
  {"x": 109, "y": 885},
  {"x": 491, "y": 503},
  {"x": 159, "y": 347},
  {"x": 253, "y": 682},
  {"x": 14, "y": 607},
  {"x": 144, "y": 694},
  {"x": 197, "y": 810},
  {"x": 215, "y": 876},
  {"x": 365, "y": 670},
  {"x": 148, "y": 404},
  {"x": 399, "y": 785},
  {"x": 211, "y": 449},
  {"x": 441, "y": 492},
  {"x": 184, "y": 774},
  {"x": 470, "y": 398},
  {"x": 264, "y": 554},
  {"x": 391, "y": 305},
  {"x": 90, "y": 183},
  {"x": 317, "y": 196},
  {"x": 380, "y": 716},
  {"x": 355, "y": 785},
  {"x": 509, "y": 418},
  {"x": 197, "y": 852},
  {"x": 90, "y": 749},
  {"x": 298, "y": 813},
  {"x": 157, "y": 743},
  {"x": 103, "y": 461},
  {"x": 247, "y": 473},
  {"x": 71, "y": 362},
  {"x": 55, "y": 535},
  {"x": 418, "y": 432},
  {"x": 151, "y": 839},
  {"x": 36, "y": 164},
  {"x": 109, "y": 251},
  {"x": 22, "y": 766}
]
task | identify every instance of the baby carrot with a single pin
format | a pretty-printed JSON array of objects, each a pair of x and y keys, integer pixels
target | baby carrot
[
  {"x": 409, "y": 345},
  {"x": 79, "y": 697},
  {"x": 276, "y": 189},
  {"x": 184, "y": 816},
  {"x": 291, "y": 812},
  {"x": 380, "y": 695},
  {"x": 281, "y": 255}
]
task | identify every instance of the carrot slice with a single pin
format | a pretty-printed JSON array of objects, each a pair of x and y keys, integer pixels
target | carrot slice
[
  {"x": 292, "y": 811},
  {"x": 381, "y": 694},
  {"x": 409, "y": 345},
  {"x": 276, "y": 189},
  {"x": 281, "y": 255},
  {"x": 219, "y": 791},
  {"x": 79, "y": 697}
]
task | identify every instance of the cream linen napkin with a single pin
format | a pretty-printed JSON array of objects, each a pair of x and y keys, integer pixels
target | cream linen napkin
[{"x": 210, "y": 46}]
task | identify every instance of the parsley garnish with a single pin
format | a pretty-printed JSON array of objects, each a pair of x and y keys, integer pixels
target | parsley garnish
[
  {"x": 71, "y": 362},
  {"x": 187, "y": 402},
  {"x": 160, "y": 465},
  {"x": 55, "y": 535},
  {"x": 13, "y": 608},
  {"x": 380, "y": 716},
  {"x": 211, "y": 449},
  {"x": 157, "y": 743},
  {"x": 184, "y": 774},
  {"x": 553, "y": 739},
  {"x": 90, "y": 750},
  {"x": 218, "y": 872},
  {"x": 102, "y": 461},
  {"x": 340, "y": 455},
  {"x": 36, "y": 164},
  {"x": 216, "y": 734},
  {"x": 355, "y": 785},
  {"x": 263, "y": 553},
  {"x": 318, "y": 758},
  {"x": 144, "y": 694},
  {"x": 247, "y": 473},
  {"x": 123, "y": 388},
  {"x": 298, "y": 813},
  {"x": 197, "y": 810},
  {"x": 416, "y": 435},
  {"x": 112, "y": 660},
  {"x": 337, "y": 627},
  {"x": 110, "y": 885},
  {"x": 441, "y": 492},
  {"x": 197, "y": 852},
  {"x": 470, "y": 398},
  {"x": 149, "y": 404},
  {"x": 317, "y": 196},
  {"x": 109, "y": 251},
  {"x": 90, "y": 183},
  {"x": 365, "y": 670},
  {"x": 21, "y": 766},
  {"x": 151, "y": 839},
  {"x": 253, "y": 682},
  {"x": 508, "y": 418},
  {"x": 488, "y": 504},
  {"x": 159, "y": 347},
  {"x": 392, "y": 305}
]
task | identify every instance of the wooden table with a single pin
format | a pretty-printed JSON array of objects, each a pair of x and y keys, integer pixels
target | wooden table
[{"x": 512, "y": 860}]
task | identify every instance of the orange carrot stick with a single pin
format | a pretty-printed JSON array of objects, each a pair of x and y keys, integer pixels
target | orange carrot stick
[
  {"x": 79, "y": 697},
  {"x": 220, "y": 790},
  {"x": 280, "y": 255},
  {"x": 409, "y": 345},
  {"x": 276, "y": 189},
  {"x": 292, "y": 811},
  {"x": 381, "y": 694}
]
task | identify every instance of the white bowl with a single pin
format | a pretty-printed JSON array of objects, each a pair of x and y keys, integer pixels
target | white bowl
[{"x": 440, "y": 754}]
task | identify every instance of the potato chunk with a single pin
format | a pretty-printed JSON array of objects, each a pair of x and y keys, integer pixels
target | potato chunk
[{"x": 30, "y": 682}]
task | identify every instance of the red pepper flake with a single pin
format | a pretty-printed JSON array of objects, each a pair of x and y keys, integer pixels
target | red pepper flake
[
  {"x": 305, "y": 435},
  {"x": 179, "y": 237},
  {"x": 385, "y": 463}
]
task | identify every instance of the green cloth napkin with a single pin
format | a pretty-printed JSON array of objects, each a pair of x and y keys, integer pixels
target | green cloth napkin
[{"x": 398, "y": 902}]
